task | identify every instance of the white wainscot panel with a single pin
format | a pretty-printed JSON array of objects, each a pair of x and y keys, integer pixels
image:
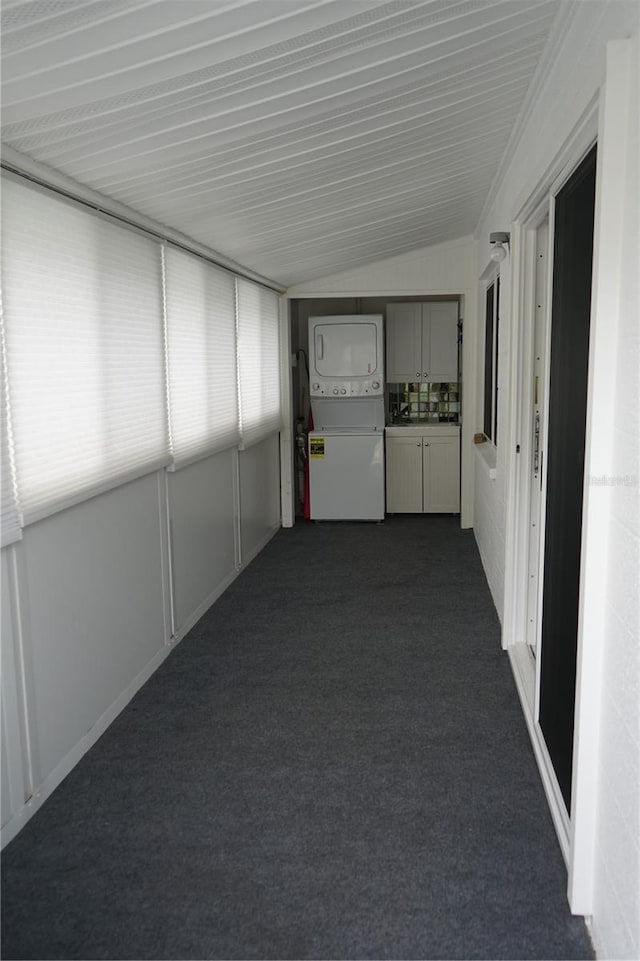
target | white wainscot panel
[
  {"x": 487, "y": 528},
  {"x": 15, "y": 789},
  {"x": 259, "y": 495},
  {"x": 7, "y": 806},
  {"x": 201, "y": 510},
  {"x": 93, "y": 613}
]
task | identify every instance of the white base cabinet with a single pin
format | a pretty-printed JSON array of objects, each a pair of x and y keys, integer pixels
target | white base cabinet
[
  {"x": 404, "y": 474},
  {"x": 423, "y": 470}
]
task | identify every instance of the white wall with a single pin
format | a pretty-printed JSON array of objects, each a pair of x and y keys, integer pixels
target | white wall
[
  {"x": 448, "y": 268},
  {"x": 605, "y": 854},
  {"x": 14, "y": 780},
  {"x": 441, "y": 269},
  {"x": 609, "y": 680},
  {"x": 87, "y": 602}
]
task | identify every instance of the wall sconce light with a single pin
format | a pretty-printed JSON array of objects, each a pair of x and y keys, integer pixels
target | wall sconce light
[{"x": 498, "y": 241}]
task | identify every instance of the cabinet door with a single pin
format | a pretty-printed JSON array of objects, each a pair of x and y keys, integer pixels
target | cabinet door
[
  {"x": 440, "y": 341},
  {"x": 404, "y": 475},
  {"x": 404, "y": 342},
  {"x": 441, "y": 475}
]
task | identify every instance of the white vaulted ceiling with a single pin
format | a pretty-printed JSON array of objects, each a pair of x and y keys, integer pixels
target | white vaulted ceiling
[{"x": 298, "y": 137}]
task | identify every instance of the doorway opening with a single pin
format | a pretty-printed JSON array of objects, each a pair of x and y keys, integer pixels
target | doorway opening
[
  {"x": 564, "y": 473},
  {"x": 417, "y": 396}
]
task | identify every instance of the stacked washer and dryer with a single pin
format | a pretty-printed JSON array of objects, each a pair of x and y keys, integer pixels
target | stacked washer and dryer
[{"x": 346, "y": 446}]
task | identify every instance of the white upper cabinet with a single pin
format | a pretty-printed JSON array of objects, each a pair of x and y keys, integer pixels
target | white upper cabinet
[
  {"x": 404, "y": 342},
  {"x": 440, "y": 328},
  {"x": 422, "y": 342}
]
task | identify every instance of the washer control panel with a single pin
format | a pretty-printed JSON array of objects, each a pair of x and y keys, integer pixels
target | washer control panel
[{"x": 342, "y": 388}]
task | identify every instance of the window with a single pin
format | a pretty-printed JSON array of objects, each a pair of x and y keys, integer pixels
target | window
[
  {"x": 258, "y": 361},
  {"x": 85, "y": 354},
  {"x": 10, "y": 529},
  {"x": 119, "y": 355},
  {"x": 201, "y": 350},
  {"x": 491, "y": 335}
]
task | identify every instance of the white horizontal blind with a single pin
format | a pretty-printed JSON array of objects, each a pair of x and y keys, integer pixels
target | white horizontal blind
[
  {"x": 10, "y": 529},
  {"x": 200, "y": 303},
  {"x": 258, "y": 361},
  {"x": 85, "y": 349}
]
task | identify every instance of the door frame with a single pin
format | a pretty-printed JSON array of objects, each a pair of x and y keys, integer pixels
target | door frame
[
  {"x": 539, "y": 206},
  {"x": 519, "y": 461}
]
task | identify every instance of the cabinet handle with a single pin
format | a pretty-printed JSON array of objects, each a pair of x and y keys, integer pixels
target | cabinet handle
[
  {"x": 426, "y": 373},
  {"x": 419, "y": 444},
  {"x": 426, "y": 445},
  {"x": 418, "y": 375}
]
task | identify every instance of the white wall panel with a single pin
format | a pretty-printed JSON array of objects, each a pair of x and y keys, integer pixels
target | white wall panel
[
  {"x": 7, "y": 806},
  {"x": 441, "y": 269},
  {"x": 616, "y": 896},
  {"x": 15, "y": 787},
  {"x": 259, "y": 495},
  {"x": 201, "y": 507},
  {"x": 488, "y": 528},
  {"x": 93, "y": 612}
]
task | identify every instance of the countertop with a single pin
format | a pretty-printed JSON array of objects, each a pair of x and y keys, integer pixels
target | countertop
[{"x": 423, "y": 429}]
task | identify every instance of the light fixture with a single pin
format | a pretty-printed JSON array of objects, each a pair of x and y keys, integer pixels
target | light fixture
[{"x": 498, "y": 241}]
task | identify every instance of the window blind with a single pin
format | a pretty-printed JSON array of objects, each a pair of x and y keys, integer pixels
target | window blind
[
  {"x": 10, "y": 528},
  {"x": 85, "y": 350},
  {"x": 201, "y": 347},
  {"x": 258, "y": 362}
]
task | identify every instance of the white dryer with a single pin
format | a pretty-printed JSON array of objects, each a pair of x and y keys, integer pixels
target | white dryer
[{"x": 346, "y": 447}]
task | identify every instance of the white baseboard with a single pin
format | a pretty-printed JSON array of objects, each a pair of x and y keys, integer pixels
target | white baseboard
[
  {"x": 59, "y": 773},
  {"x": 55, "y": 778},
  {"x": 18, "y": 820},
  {"x": 524, "y": 672},
  {"x": 201, "y": 609},
  {"x": 219, "y": 590},
  {"x": 253, "y": 553}
]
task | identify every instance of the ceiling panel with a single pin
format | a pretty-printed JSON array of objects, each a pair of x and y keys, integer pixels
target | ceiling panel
[{"x": 295, "y": 136}]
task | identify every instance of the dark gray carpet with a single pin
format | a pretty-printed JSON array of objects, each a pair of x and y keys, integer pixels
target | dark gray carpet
[{"x": 333, "y": 764}]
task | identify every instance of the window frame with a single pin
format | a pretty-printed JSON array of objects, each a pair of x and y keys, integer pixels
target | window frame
[{"x": 490, "y": 388}]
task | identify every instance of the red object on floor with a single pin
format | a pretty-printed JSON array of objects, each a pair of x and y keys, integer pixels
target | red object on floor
[{"x": 306, "y": 508}]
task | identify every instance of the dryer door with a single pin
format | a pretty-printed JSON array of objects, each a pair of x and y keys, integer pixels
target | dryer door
[{"x": 345, "y": 347}]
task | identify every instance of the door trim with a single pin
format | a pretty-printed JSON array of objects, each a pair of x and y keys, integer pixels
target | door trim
[
  {"x": 519, "y": 450},
  {"x": 539, "y": 205}
]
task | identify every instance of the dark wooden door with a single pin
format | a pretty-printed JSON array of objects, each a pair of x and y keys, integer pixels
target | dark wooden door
[{"x": 570, "y": 315}]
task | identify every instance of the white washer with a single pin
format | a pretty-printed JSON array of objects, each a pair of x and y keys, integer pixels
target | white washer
[{"x": 346, "y": 474}]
